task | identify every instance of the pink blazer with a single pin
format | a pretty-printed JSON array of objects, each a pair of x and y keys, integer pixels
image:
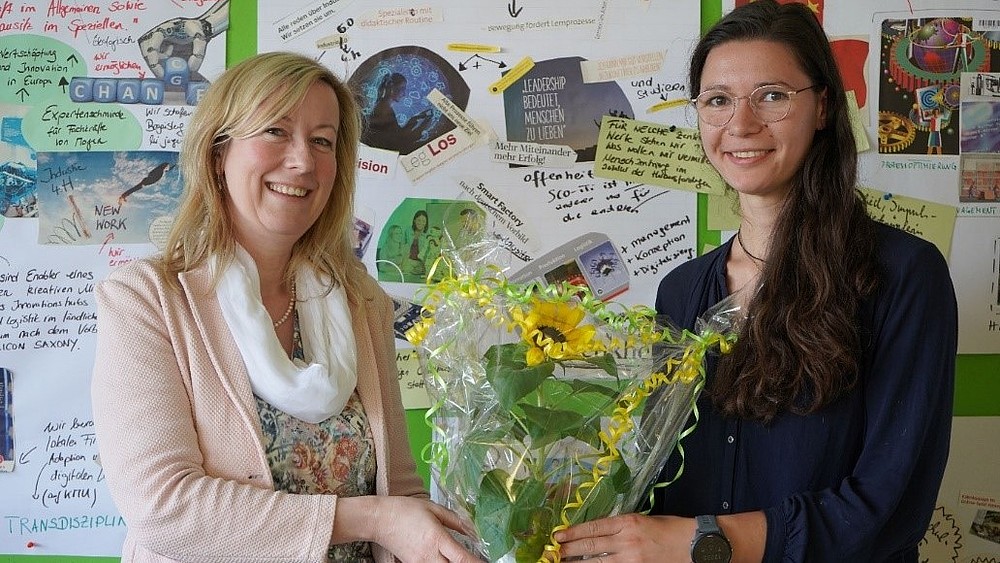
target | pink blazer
[{"x": 180, "y": 439}]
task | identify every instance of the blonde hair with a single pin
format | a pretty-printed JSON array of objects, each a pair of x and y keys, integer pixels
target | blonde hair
[{"x": 244, "y": 101}]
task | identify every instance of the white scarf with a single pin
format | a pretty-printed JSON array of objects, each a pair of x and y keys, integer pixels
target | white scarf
[{"x": 313, "y": 390}]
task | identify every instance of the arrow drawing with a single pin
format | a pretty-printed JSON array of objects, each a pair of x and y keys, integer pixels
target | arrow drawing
[
  {"x": 465, "y": 64},
  {"x": 513, "y": 10},
  {"x": 23, "y": 458}
]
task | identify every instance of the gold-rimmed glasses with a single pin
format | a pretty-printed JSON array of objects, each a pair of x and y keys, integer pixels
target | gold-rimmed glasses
[{"x": 770, "y": 103}]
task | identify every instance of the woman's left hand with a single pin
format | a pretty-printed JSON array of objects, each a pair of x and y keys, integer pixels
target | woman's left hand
[{"x": 630, "y": 538}]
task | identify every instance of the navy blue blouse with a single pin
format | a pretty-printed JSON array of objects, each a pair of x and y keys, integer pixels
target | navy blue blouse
[{"x": 858, "y": 480}]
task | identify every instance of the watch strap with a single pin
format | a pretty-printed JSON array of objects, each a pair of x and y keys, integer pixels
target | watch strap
[{"x": 708, "y": 524}]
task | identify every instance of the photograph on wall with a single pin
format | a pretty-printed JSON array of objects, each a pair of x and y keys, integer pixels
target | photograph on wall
[
  {"x": 589, "y": 260},
  {"x": 417, "y": 230},
  {"x": 393, "y": 86},
  {"x": 980, "y": 140},
  {"x": 102, "y": 197},
  {"x": 18, "y": 166},
  {"x": 980, "y": 178},
  {"x": 6, "y": 421},
  {"x": 986, "y": 525}
]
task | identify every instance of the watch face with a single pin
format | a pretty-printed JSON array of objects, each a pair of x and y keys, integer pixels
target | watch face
[{"x": 711, "y": 548}]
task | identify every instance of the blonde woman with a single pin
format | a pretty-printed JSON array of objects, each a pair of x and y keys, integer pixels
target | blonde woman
[{"x": 245, "y": 395}]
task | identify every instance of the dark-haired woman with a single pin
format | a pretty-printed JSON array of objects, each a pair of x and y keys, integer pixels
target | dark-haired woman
[{"x": 823, "y": 436}]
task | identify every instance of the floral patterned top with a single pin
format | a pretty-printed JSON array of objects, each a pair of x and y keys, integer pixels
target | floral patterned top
[{"x": 335, "y": 456}]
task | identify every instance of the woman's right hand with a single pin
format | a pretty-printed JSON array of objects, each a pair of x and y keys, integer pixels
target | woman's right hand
[{"x": 413, "y": 529}]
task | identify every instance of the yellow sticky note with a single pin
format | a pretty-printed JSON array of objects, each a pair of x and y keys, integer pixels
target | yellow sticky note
[
  {"x": 857, "y": 123},
  {"x": 513, "y": 75},
  {"x": 473, "y": 48},
  {"x": 411, "y": 380},
  {"x": 934, "y": 222},
  {"x": 650, "y": 153},
  {"x": 723, "y": 212}
]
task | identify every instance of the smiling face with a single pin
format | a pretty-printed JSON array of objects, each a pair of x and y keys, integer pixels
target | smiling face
[
  {"x": 756, "y": 158},
  {"x": 280, "y": 179}
]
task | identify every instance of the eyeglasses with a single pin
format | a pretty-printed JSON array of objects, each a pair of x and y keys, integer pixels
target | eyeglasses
[{"x": 770, "y": 103}]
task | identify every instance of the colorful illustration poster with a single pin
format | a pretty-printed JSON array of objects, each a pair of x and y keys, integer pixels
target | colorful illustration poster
[
  {"x": 100, "y": 76},
  {"x": 499, "y": 109},
  {"x": 94, "y": 100}
]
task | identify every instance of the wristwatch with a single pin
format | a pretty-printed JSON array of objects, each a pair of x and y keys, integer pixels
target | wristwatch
[{"x": 710, "y": 544}]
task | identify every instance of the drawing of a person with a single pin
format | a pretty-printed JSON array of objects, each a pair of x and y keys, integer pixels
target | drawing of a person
[
  {"x": 385, "y": 129},
  {"x": 963, "y": 51},
  {"x": 934, "y": 121}
]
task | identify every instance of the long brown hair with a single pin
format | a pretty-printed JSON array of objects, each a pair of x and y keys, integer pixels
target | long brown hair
[
  {"x": 244, "y": 101},
  {"x": 800, "y": 347}
]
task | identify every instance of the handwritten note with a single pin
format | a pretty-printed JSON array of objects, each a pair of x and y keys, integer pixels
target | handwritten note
[
  {"x": 943, "y": 537},
  {"x": 659, "y": 248},
  {"x": 29, "y": 73},
  {"x": 46, "y": 309},
  {"x": 411, "y": 380},
  {"x": 69, "y": 126},
  {"x": 930, "y": 221},
  {"x": 656, "y": 154}
]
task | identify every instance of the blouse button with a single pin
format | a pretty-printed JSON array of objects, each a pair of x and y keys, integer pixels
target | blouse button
[
  {"x": 725, "y": 505},
  {"x": 730, "y": 439}
]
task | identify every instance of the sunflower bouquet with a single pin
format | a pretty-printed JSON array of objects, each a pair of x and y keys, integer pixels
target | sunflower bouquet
[{"x": 551, "y": 407}]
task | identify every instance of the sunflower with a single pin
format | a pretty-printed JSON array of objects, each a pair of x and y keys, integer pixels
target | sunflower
[{"x": 551, "y": 332}]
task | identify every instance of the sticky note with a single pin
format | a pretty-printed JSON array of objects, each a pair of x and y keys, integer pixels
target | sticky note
[
  {"x": 933, "y": 222},
  {"x": 651, "y": 153},
  {"x": 411, "y": 380},
  {"x": 857, "y": 123},
  {"x": 473, "y": 48},
  {"x": 513, "y": 75}
]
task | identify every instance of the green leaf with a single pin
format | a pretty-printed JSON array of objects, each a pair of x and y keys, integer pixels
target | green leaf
[
  {"x": 533, "y": 528},
  {"x": 546, "y": 425},
  {"x": 605, "y": 362},
  {"x": 511, "y": 512},
  {"x": 509, "y": 374},
  {"x": 494, "y": 507},
  {"x": 585, "y": 397},
  {"x": 600, "y": 500},
  {"x": 531, "y": 521}
]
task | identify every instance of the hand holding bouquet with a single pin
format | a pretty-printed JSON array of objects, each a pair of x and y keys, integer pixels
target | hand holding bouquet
[{"x": 551, "y": 407}]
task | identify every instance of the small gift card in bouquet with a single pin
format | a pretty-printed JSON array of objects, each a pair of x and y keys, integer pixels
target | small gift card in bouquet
[{"x": 551, "y": 407}]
